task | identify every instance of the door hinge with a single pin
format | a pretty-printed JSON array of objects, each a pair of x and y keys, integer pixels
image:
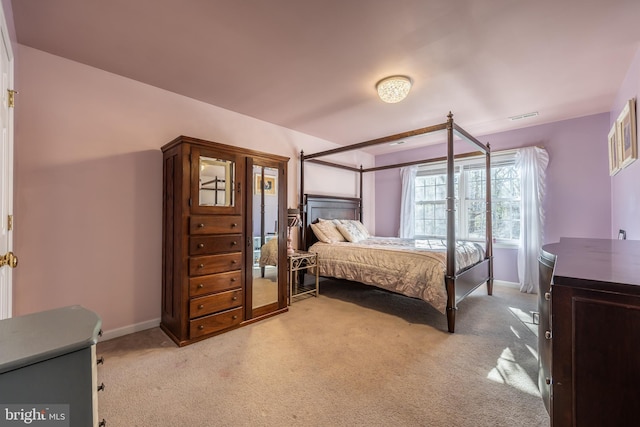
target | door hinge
[
  {"x": 11, "y": 100},
  {"x": 10, "y": 222}
]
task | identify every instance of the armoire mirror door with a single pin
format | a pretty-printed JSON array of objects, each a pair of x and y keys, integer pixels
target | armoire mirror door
[{"x": 266, "y": 276}]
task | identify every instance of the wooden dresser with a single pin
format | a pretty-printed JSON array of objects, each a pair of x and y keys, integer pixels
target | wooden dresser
[
  {"x": 595, "y": 333},
  {"x": 216, "y": 198}
]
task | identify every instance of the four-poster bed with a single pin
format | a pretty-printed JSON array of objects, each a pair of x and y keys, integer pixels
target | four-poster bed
[{"x": 458, "y": 280}]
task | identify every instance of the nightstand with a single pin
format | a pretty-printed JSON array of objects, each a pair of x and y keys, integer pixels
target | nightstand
[{"x": 302, "y": 261}]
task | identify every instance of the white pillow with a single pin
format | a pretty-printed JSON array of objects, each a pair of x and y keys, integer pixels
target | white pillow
[
  {"x": 363, "y": 230},
  {"x": 351, "y": 232}
]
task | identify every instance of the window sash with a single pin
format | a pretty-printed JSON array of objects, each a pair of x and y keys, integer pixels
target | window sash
[{"x": 470, "y": 204}]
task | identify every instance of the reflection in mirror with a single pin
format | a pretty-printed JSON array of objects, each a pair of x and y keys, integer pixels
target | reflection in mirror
[
  {"x": 216, "y": 182},
  {"x": 265, "y": 232}
]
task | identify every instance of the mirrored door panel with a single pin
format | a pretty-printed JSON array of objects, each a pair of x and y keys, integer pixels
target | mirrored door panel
[
  {"x": 215, "y": 182},
  {"x": 216, "y": 185},
  {"x": 265, "y": 208}
]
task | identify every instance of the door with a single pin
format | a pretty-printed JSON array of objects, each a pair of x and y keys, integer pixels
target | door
[
  {"x": 7, "y": 259},
  {"x": 265, "y": 270}
]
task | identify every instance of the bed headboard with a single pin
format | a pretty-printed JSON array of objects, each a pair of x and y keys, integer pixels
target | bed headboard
[{"x": 327, "y": 207}]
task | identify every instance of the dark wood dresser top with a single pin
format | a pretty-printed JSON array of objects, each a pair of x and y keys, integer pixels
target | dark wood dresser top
[{"x": 602, "y": 264}]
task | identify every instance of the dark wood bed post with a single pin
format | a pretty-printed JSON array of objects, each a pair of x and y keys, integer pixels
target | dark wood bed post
[
  {"x": 451, "y": 231},
  {"x": 488, "y": 221},
  {"x": 361, "y": 193},
  {"x": 301, "y": 207}
]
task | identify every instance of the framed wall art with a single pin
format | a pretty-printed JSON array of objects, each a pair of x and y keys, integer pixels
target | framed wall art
[
  {"x": 269, "y": 184},
  {"x": 614, "y": 150},
  {"x": 627, "y": 133}
]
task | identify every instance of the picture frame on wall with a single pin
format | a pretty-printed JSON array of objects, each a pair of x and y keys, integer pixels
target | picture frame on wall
[
  {"x": 614, "y": 150},
  {"x": 269, "y": 184},
  {"x": 627, "y": 133}
]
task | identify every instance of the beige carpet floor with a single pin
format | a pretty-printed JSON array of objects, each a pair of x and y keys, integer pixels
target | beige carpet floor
[{"x": 355, "y": 356}]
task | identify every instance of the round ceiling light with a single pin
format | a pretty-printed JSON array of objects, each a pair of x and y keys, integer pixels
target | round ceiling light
[{"x": 393, "y": 89}]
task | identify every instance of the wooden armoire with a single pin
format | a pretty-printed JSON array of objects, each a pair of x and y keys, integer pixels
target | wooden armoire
[{"x": 224, "y": 238}]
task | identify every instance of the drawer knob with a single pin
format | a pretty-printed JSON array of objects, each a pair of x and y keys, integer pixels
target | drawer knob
[
  {"x": 200, "y": 265},
  {"x": 200, "y": 307},
  {"x": 200, "y": 327},
  {"x": 201, "y": 225},
  {"x": 234, "y": 243},
  {"x": 200, "y": 245},
  {"x": 234, "y": 261},
  {"x": 101, "y": 387},
  {"x": 234, "y": 225},
  {"x": 547, "y": 335},
  {"x": 201, "y": 285},
  {"x": 234, "y": 317},
  {"x": 100, "y": 361},
  {"x": 234, "y": 298},
  {"x": 233, "y": 279},
  {"x": 547, "y": 296}
]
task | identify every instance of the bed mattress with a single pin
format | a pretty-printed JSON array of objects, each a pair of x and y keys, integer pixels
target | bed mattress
[{"x": 414, "y": 268}]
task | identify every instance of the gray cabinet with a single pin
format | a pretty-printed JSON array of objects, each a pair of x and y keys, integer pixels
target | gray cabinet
[{"x": 48, "y": 367}]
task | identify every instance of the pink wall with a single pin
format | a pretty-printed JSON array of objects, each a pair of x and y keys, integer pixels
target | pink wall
[
  {"x": 578, "y": 185},
  {"x": 625, "y": 191},
  {"x": 88, "y": 184}
]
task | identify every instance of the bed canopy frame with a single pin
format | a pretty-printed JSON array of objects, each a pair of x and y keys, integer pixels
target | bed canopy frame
[{"x": 459, "y": 285}]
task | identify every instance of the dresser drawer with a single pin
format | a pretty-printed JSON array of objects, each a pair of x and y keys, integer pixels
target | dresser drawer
[
  {"x": 203, "y": 285},
  {"x": 219, "y": 224},
  {"x": 213, "y": 303},
  {"x": 212, "y": 264},
  {"x": 209, "y": 245},
  {"x": 215, "y": 322}
]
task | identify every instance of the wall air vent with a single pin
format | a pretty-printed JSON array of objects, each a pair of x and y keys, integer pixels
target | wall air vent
[{"x": 523, "y": 116}]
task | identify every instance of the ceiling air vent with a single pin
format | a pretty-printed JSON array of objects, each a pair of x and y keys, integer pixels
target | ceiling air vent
[{"x": 523, "y": 116}]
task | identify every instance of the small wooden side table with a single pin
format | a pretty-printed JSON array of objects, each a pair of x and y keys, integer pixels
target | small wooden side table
[{"x": 302, "y": 261}]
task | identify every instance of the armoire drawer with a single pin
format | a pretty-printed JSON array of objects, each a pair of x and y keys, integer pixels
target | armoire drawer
[
  {"x": 209, "y": 245},
  {"x": 212, "y": 264},
  {"x": 215, "y": 322},
  {"x": 219, "y": 224},
  {"x": 203, "y": 285},
  {"x": 202, "y": 306}
]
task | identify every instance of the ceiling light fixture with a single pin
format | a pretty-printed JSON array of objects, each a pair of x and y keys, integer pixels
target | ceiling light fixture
[{"x": 393, "y": 89}]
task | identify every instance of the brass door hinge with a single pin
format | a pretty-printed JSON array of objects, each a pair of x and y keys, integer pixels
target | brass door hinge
[
  {"x": 12, "y": 98},
  {"x": 10, "y": 222}
]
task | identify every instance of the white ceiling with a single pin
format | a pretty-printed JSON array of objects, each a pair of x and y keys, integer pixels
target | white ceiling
[{"x": 312, "y": 65}]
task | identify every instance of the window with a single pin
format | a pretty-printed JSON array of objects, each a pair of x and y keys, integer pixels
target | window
[{"x": 469, "y": 191}]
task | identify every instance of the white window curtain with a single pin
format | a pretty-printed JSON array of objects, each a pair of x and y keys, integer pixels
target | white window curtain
[
  {"x": 408, "y": 202},
  {"x": 532, "y": 162}
]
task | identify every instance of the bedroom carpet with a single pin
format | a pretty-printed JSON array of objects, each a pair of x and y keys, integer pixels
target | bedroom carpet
[{"x": 355, "y": 356}]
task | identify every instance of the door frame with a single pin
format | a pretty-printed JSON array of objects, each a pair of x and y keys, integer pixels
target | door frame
[{"x": 6, "y": 192}]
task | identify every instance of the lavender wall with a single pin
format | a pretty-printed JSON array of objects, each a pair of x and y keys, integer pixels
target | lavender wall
[
  {"x": 88, "y": 184},
  {"x": 578, "y": 200},
  {"x": 625, "y": 191}
]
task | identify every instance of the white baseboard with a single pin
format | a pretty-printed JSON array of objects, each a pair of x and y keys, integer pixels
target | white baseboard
[
  {"x": 126, "y": 330},
  {"x": 505, "y": 283}
]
